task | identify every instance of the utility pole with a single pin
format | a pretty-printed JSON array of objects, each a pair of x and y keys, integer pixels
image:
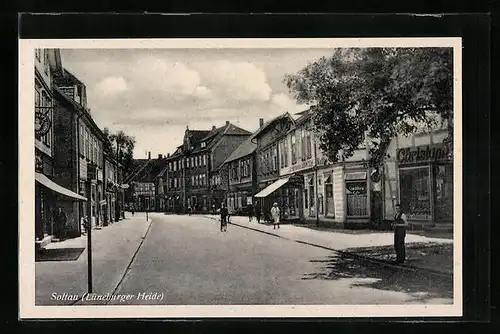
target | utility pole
[
  {"x": 89, "y": 255},
  {"x": 316, "y": 182}
]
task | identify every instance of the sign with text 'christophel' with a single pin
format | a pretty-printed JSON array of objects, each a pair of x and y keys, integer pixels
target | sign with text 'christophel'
[
  {"x": 423, "y": 154},
  {"x": 162, "y": 249}
]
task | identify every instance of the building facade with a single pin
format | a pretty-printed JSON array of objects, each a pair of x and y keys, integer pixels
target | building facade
[
  {"x": 267, "y": 163},
  {"x": 196, "y": 163},
  {"x": 80, "y": 155},
  {"x": 51, "y": 192},
  {"x": 417, "y": 172},
  {"x": 241, "y": 171}
]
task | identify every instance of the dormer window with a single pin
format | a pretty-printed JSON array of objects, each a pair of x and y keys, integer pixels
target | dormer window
[{"x": 203, "y": 145}]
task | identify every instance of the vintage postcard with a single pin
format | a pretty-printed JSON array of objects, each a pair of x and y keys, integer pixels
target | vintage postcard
[{"x": 193, "y": 178}]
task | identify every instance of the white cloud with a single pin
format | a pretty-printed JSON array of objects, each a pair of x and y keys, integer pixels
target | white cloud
[
  {"x": 203, "y": 92},
  {"x": 285, "y": 103},
  {"x": 113, "y": 85},
  {"x": 241, "y": 81},
  {"x": 152, "y": 73}
]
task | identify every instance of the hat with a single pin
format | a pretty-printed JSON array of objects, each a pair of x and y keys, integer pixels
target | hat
[{"x": 274, "y": 204}]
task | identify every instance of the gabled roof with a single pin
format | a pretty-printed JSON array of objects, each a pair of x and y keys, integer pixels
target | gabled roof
[
  {"x": 272, "y": 121},
  {"x": 213, "y": 137},
  {"x": 149, "y": 171},
  {"x": 246, "y": 148}
]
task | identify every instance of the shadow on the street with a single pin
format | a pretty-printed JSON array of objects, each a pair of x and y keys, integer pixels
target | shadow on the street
[
  {"x": 421, "y": 285},
  {"x": 58, "y": 254}
]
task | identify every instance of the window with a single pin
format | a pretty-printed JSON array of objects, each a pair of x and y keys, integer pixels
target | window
[
  {"x": 81, "y": 140},
  {"x": 46, "y": 61},
  {"x": 303, "y": 145},
  {"x": 203, "y": 145},
  {"x": 192, "y": 179},
  {"x": 294, "y": 149},
  {"x": 204, "y": 160},
  {"x": 275, "y": 159},
  {"x": 415, "y": 191},
  {"x": 170, "y": 165},
  {"x": 87, "y": 147}
]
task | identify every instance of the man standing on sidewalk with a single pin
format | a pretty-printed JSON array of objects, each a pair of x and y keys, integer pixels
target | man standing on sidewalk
[{"x": 400, "y": 224}]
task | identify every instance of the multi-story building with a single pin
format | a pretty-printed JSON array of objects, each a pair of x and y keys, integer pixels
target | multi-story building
[
  {"x": 113, "y": 190},
  {"x": 50, "y": 193},
  {"x": 417, "y": 172},
  {"x": 195, "y": 163},
  {"x": 79, "y": 154},
  {"x": 267, "y": 156},
  {"x": 296, "y": 174},
  {"x": 145, "y": 192},
  {"x": 240, "y": 171}
]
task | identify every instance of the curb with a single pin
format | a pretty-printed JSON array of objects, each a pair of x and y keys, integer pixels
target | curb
[{"x": 351, "y": 254}]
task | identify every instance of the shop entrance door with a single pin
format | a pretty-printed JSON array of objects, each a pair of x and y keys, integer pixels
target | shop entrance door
[
  {"x": 329, "y": 203},
  {"x": 357, "y": 200},
  {"x": 444, "y": 193}
]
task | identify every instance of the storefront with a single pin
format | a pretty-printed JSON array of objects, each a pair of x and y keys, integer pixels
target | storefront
[
  {"x": 291, "y": 195},
  {"x": 426, "y": 183},
  {"x": 357, "y": 194}
]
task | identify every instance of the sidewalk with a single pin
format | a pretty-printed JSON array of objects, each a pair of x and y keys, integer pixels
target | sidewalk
[
  {"x": 113, "y": 247},
  {"x": 371, "y": 245}
]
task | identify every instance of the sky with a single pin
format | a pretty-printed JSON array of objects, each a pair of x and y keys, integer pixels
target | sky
[{"x": 153, "y": 94}]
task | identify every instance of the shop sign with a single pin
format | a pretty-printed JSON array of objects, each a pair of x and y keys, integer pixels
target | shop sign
[
  {"x": 422, "y": 154},
  {"x": 302, "y": 165},
  {"x": 358, "y": 188}
]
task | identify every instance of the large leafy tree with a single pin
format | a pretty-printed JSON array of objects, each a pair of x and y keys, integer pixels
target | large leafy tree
[
  {"x": 121, "y": 146},
  {"x": 375, "y": 93}
]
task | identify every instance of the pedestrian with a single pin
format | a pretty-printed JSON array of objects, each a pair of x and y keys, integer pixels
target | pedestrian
[
  {"x": 258, "y": 212},
  {"x": 250, "y": 210},
  {"x": 190, "y": 211},
  {"x": 275, "y": 214},
  {"x": 223, "y": 218},
  {"x": 400, "y": 224},
  {"x": 132, "y": 209}
]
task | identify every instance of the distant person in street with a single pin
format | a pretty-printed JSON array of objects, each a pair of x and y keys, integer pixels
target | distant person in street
[
  {"x": 275, "y": 214},
  {"x": 223, "y": 218},
  {"x": 190, "y": 211},
  {"x": 400, "y": 225},
  {"x": 132, "y": 209},
  {"x": 250, "y": 212},
  {"x": 258, "y": 212},
  {"x": 213, "y": 209}
]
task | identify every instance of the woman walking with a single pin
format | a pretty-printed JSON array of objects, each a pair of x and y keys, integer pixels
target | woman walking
[{"x": 275, "y": 214}]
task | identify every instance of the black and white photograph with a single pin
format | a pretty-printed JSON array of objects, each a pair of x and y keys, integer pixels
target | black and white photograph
[{"x": 240, "y": 177}]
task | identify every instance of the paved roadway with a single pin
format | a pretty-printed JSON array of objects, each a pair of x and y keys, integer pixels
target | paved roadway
[{"x": 191, "y": 262}]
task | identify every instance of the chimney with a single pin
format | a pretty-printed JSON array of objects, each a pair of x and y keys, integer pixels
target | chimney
[
  {"x": 261, "y": 122},
  {"x": 168, "y": 155},
  {"x": 213, "y": 127},
  {"x": 227, "y": 122},
  {"x": 160, "y": 156},
  {"x": 149, "y": 155}
]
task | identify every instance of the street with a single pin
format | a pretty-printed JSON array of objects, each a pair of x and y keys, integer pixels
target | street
[{"x": 188, "y": 261}]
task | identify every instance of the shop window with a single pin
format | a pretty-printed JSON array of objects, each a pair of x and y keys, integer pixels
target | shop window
[
  {"x": 444, "y": 193},
  {"x": 357, "y": 199},
  {"x": 415, "y": 192},
  {"x": 329, "y": 198}
]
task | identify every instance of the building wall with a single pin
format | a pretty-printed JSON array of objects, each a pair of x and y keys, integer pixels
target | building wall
[
  {"x": 390, "y": 167},
  {"x": 225, "y": 146}
]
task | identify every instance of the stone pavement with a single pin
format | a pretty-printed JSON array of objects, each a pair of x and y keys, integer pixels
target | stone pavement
[
  {"x": 113, "y": 247},
  {"x": 357, "y": 244}
]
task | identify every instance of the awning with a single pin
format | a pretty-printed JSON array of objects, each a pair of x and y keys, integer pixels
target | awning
[
  {"x": 44, "y": 180},
  {"x": 272, "y": 188},
  {"x": 355, "y": 176}
]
